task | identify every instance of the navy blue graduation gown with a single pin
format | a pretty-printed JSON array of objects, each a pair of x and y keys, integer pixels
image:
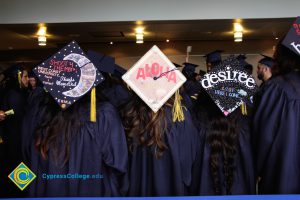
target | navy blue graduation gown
[
  {"x": 170, "y": 174},
  {"x": 277, "y": 135},
  {"x": 11, "y": 127},
  {"x": 244, "y": 176},
  {"x": 98, "y": 149}
]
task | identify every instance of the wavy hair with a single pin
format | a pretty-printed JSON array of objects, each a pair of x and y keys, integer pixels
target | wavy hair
[
  {"x": 57, "y": 127},
  {"x": 143, "y": 126},
  {"x": 222, "y": 137}
]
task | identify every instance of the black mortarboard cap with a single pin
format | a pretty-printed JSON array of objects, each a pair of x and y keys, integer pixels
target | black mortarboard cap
[
  {"x": 267, "y": 61},
  {"x": 229, "y": 85},
  {"x": 102, "y": 62},
  {"x": 292, "y": 39},
  {"x": 68, "y": 75},
  {"x": 202, "y": 72},
  {"x": 119, "y": 71},
  {"x": 189, "y": 67},
  {"x": 213, "y": 56},
  {"x": 13, "y": 70},
  {"x": 177, "y": 65}
]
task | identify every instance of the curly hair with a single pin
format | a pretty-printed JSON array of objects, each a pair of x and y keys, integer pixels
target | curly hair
[{"x": 143, "y": 126}]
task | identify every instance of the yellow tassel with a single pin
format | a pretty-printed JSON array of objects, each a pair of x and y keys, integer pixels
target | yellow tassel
[
  {"x": 93, "y": 105},
  {"x": 177, "y": 108},
  {"x": 244, "y": 108},
  {"x": 20, "y": 78}
]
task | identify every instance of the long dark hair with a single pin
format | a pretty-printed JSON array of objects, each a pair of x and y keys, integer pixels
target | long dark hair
[
  {"x": 286, "y": 60},
  {"x": 222, "y": 134},
  {"x": 143, "y": 126},
  {"x": 57, "y": 127}
]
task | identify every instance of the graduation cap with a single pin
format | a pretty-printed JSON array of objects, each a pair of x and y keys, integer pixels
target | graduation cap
[
  {"x": 13, "y": 71},
  {"x": 247, "y": 66},
  {"x": 213, "y": 56},
  {"x": 102, "y": 62},
  {"x": 202, "y": 72},
  {"x": 154, "y": 78},
  {"x": 119, "y": 71},
  {"x": 177, "y": 65},
  {"x": 229, "y": 85},
  {"x": 68, "y": 75},
  {"x": 267, "y": 61},
  {"x": 292, "y": 39},
  {"x": 189, "y": 67}
]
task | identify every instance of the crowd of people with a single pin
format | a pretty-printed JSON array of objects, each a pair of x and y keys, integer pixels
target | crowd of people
[{"x": 139, "y": 152}]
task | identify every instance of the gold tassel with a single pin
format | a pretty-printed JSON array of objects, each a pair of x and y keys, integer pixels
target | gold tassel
[
  {"x": 177, "y": 108},
  {"x": 93, "y": 105},
  {"x": 244, "y": 108},
  {"x": 20, "y": 78}
]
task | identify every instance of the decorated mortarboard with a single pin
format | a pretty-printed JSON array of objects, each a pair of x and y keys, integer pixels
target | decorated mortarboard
[
  {"x": 68, "y": 75},
  {"x": 213, "y": 56},
  {"x": 189, "y": 67},
  {"x": 154, "y": 78},
  {"x": 267, "y": 61},
  {"x": 228, "y": 84},
  {"x": 102, "y": 62},
  {"x": 292, "y": 39}
]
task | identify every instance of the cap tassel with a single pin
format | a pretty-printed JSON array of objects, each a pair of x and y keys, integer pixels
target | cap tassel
[
  {"x": 177, "y": 108},
  {"x": 244, "y": 108},
  {"x": 93, "y": 105},
  {"x": 20, "y": 78}
]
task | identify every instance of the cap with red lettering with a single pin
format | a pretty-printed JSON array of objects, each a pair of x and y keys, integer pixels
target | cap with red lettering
[
  {"x": 292, "y": 39},
  {"x": 68, "y": 75},
  {"x": 154, "y": 78}
]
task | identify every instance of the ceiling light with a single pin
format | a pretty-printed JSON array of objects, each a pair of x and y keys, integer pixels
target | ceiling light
[
  {"x": 42, "y": 33},
  {"x": 238, "y": 32},
  {"x": 139, "y": 34},
  {"x": 276, "y": 38},
  {"x": 111, "y": 43},
  {"x": 167, "y": 40},
  {"x": 42, "y": 40}
]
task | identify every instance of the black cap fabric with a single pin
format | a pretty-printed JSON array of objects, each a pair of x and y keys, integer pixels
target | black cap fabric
[{"x": 292, "y": 39}]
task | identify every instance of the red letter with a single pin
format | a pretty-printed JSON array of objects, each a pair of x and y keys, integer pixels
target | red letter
[
  {"x": 172, "y": 77},
  {"x": 141, "y": 73},
  {"x": 155, "y": 69}
]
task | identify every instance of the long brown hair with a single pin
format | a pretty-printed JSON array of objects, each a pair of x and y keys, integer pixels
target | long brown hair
[
  {"x": 57, "y": 127},
  {"x": 222, "y": 135},
  {"x": 143, "y": 126}
]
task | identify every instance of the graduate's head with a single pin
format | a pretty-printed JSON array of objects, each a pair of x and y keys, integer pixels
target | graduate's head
[
  {"x": 154, "y": 79},
  {"x": 70, "y": 78},
  {"x": 287, "y": 53},
  {"x": 16, "y": 76},
  {"x": 264, "y": 68},
  {"x": 213, "y": 59}
]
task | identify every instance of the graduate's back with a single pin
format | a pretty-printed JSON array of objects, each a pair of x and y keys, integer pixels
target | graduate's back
[
  {"x": 224, "y": 164},
  {"x": 72, "y": 156},
  {"x": 277, "y": 128},
  {"x": 161, "y": 152}
]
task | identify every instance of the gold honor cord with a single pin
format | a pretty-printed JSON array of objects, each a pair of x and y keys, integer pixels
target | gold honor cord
[
  {"x": 93, "y": 105},
  {"x": 244, "y": 108}
]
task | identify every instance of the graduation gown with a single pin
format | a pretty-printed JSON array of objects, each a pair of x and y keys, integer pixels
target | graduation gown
[
  {"x": 97, "y": 149},
  {"x": 244, "y": 176},
  {"x": 170, "y": 174},
  {"x": 11, "y": 127},
  {"x": 277, "y": 135}
]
